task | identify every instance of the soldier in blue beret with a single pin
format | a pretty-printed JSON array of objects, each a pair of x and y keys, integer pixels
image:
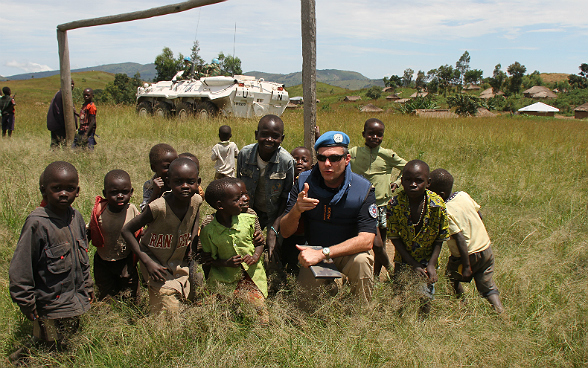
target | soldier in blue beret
[{"x": 339, "y": 212}]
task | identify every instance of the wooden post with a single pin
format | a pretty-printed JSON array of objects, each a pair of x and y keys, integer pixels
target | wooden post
[
  {"x": 64, "y": 66},
  {"x": 309, "y": 70},
  {"x": 65, "y": 76}
]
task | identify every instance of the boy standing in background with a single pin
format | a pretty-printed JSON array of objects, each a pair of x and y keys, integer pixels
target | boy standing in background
[
  {"x": 7, "y": 110},
  {"x": 85, "y": 136},
  {"x": 376, "y": 164},
  {"x": 224, "y": 153}
]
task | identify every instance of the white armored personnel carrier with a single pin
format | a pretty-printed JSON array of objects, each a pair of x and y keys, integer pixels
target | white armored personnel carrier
[{"x": 238, "y": 96}]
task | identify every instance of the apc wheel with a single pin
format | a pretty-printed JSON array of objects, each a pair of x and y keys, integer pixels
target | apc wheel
[
  {"x": 206, "y": 110},
  {"x": 162, "y": 110},
  {"x": 184, "y": 111},
  {"x": 144, "y": 109}
]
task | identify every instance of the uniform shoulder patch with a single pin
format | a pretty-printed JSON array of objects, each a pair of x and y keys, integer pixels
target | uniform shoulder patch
[{"x": 373, "y": 210}]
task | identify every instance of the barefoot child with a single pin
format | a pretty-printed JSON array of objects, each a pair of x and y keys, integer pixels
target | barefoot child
[
  {"x": 115, "y": 268},
  {"x": 376, "y": 164},
  {"x": 50, "y": 270},
  {"x": 471, "y": 254},
  {"x": 417, "y": 226},
  {"x": 172, "y": 226},
  {"x": 160, "y": 157},
  {"x": 229, "y": 240}
]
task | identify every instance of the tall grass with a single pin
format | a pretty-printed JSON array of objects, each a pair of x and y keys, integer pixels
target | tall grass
[{"x": 529, "y": 174}]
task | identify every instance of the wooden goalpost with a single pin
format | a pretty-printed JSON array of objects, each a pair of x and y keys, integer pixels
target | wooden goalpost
[{"x": 308, "y": 47}]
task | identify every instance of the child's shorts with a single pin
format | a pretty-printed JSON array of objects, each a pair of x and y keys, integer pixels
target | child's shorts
[
  {"x": 163, "y": 298},
  {"x": 482, "y": 265},
  {"x": 55, "y": 330}
]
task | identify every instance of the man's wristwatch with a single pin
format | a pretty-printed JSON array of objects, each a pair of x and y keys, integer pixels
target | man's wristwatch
[{"x": 327, "y": 252}]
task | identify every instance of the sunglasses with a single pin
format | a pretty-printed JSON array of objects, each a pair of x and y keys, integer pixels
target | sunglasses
[{"x": 332, "y": 158}]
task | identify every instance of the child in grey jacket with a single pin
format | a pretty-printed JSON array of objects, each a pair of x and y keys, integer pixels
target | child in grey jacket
[{"x": 50, "y": 270}]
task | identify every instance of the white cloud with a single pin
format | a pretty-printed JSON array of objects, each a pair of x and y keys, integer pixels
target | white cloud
[{"x": 28, "y": 67}]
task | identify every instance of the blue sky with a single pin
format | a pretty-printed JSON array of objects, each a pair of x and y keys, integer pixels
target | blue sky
[{"x": 376, "y": 38}]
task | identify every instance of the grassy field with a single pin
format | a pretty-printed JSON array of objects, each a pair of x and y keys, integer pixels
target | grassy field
[{"x": 529, "y": 174}]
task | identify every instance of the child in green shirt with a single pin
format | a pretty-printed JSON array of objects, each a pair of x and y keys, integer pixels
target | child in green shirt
[
  {"x": 235, "y": 260},
  {"x": 376, "y": 164}
]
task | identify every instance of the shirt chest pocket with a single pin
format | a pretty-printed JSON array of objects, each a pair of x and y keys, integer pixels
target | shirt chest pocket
[{"x": 59, "y": 258}]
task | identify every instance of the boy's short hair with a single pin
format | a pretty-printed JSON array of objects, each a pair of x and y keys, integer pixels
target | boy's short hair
[
  {"x": 158, "y": 151},
  {"x": 268, "y": 118},
  {"x": 191, "y": 157},
  {"x": 371, "y": 121},
  {"x": 53, "y": 168},
  {"x": 440, "y": 180},
  {"x": 215, "y": 191},
  {"x": 301, "y": 148},
  {"x": 224, "y": 133},
  {"x": 6, "y": 90},
  {"x": 116, "y": 174},
  {"x": 182, "y": 161},
  {"x": 414, "y": 163}
]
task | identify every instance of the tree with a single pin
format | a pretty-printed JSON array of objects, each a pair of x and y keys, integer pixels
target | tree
[
  {"x": 421, "y": 81},
  {"x": 229, "y": 65},
  {"x": 516, "y": 72},
  {"x": 447, "y": 76},
  {"x": 122, "y": 90},
  {"x": 473, "y": 76},
  {"x": 533, "y": 79},
  {"x": 166, "y": 66},
  {"x": 407, "y": 77},
  {"x": 463, "y": 65},
  {"x": 580, "y": 80},
  {"x": 497, "y": 80},
  {"x": 195, "y": 55},
  {"x": 374, "y": 92}
]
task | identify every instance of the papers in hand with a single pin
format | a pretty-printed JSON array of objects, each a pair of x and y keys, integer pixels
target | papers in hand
[{"x": 325, "y": 269}]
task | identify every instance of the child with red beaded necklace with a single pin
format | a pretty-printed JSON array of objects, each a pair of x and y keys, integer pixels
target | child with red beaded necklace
[{"x": 417, "y": 226}]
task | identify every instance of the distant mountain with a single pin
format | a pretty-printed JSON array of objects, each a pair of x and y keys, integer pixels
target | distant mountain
[
  {"x": 339, "y": 78},
  {"x": 147, "y": 71},
  {"x": 333, "y": 77}
]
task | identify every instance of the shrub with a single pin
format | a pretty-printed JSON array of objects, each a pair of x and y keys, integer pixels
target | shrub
[
  {"x": 374, "y": 92},
  {"x": 418, "y": 103},
  {"x": 465, "y": 105}
]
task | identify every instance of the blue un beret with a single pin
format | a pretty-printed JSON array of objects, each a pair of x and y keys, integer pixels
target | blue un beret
[{"x": 332, "y": 139}]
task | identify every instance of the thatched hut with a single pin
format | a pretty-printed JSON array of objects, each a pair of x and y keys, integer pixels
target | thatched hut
[
  {"x": 539, "y": 92},
  {"x": 489, "y": 93},
  {"x": 393, "y": 97},
  {"x": 419, "y": 94},
  {"x": 370, "y": 108},
  {"x": 352, "y": 98},
  {"x": 581, "y": 112}
]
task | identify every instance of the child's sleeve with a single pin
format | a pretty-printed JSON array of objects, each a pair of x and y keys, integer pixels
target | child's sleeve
[
  {"x": 207, "y": 244},
  {"x": 214, "y": 155},
  {"x": 392, "y": 220},
  {"x": 21, "y": 271},
  {"x": 443, "y": 225}
]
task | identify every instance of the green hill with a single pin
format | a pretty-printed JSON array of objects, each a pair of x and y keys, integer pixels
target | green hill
[
  {"x": 147, "y": 71},
  {"x": 340, "y": 78},
  {"x": 42, "y": 89}
]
